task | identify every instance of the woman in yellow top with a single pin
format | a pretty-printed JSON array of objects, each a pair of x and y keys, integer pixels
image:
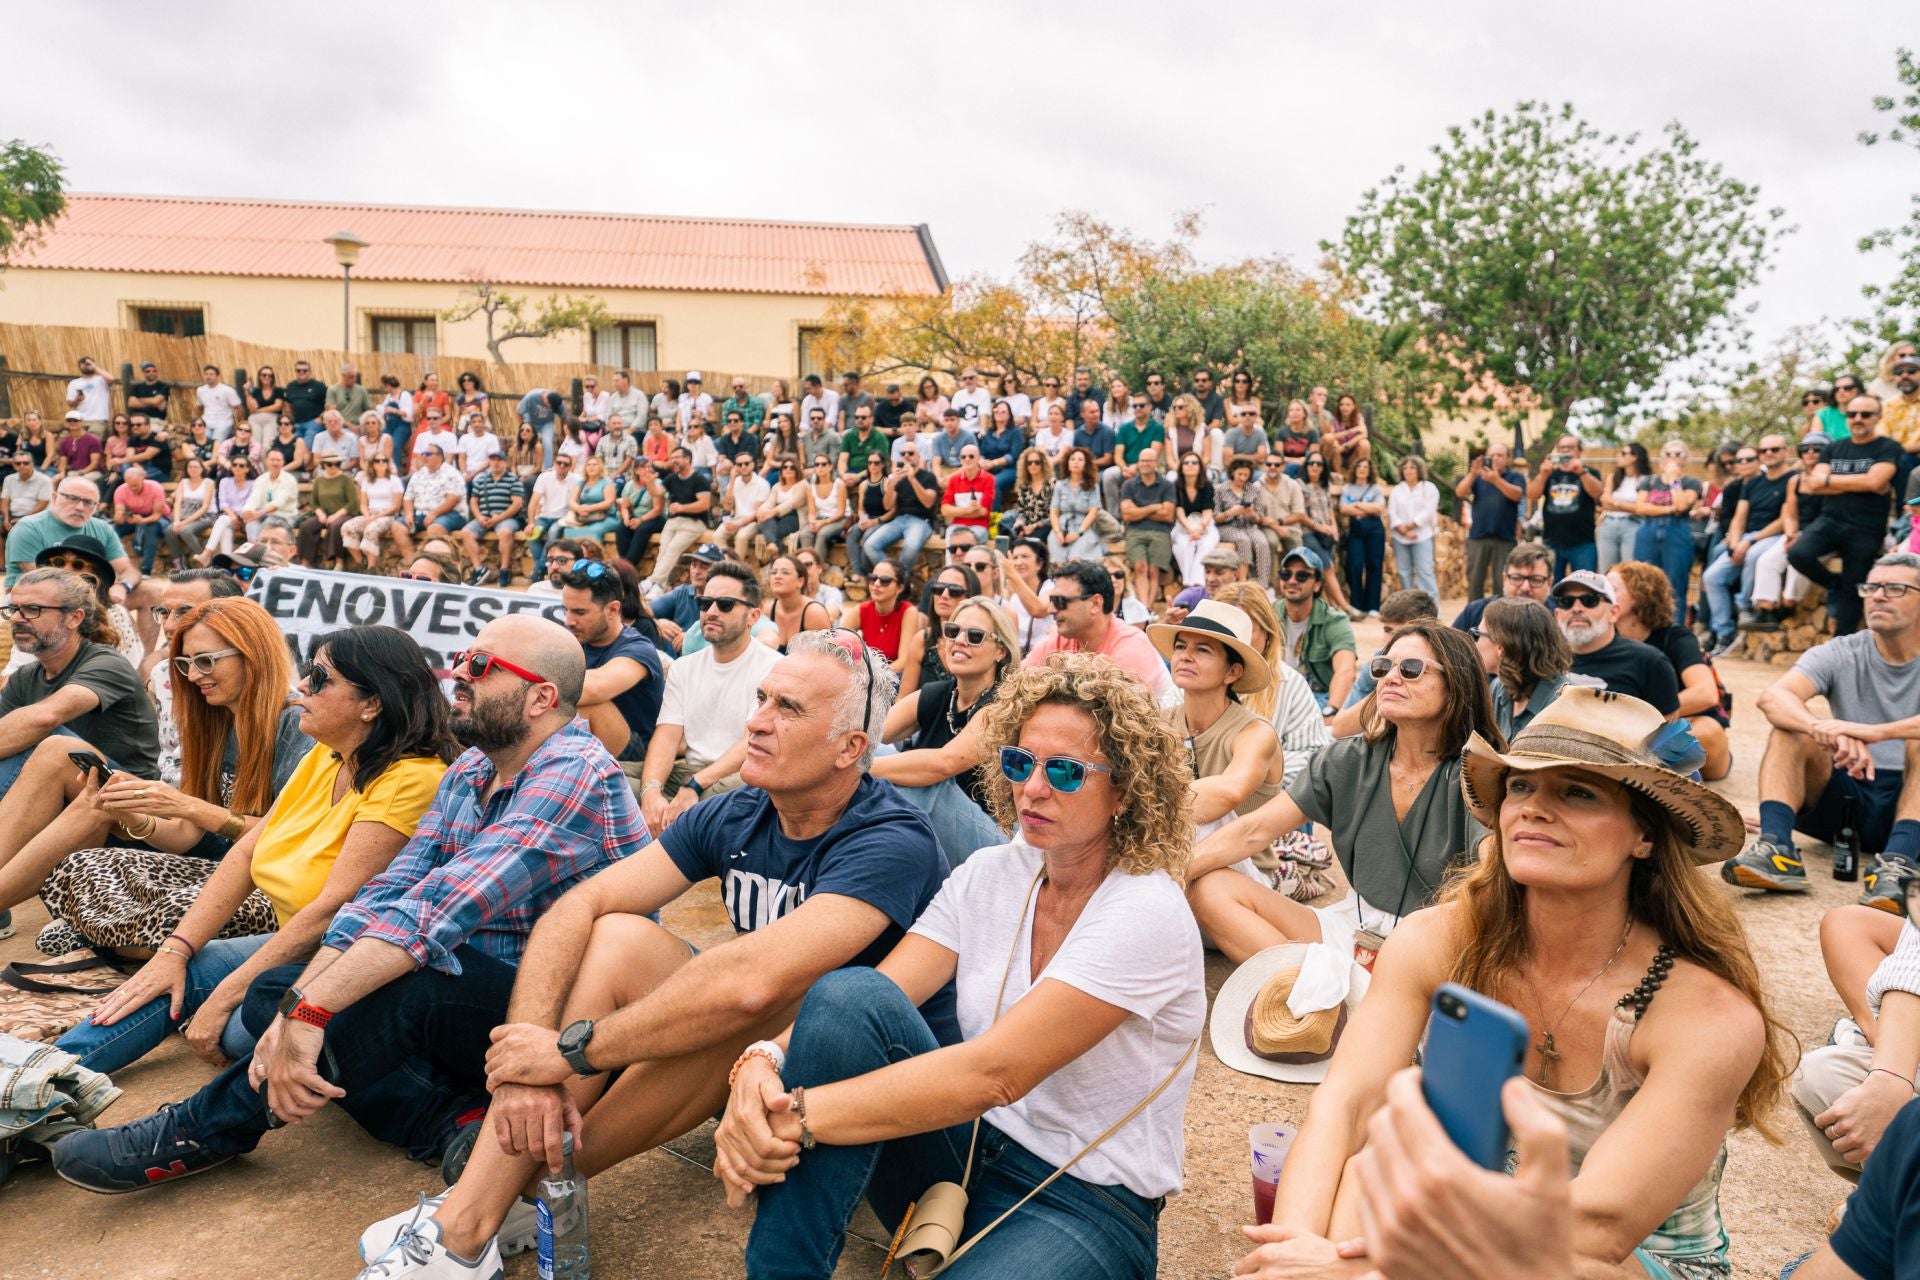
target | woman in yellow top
[{"x": 373, "y": 705}]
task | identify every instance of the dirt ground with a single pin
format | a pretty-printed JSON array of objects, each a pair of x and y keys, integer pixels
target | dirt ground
[{"x": 296, "y": 1206}]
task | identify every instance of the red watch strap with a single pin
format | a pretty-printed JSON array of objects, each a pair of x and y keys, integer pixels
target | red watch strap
[{"x": 311, "y": 1013}]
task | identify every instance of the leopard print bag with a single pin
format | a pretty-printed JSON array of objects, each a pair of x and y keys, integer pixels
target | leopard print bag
[{"x": 132, "y": 899}]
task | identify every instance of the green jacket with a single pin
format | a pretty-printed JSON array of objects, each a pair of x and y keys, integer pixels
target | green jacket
[{"x": 1328, "y": 632}]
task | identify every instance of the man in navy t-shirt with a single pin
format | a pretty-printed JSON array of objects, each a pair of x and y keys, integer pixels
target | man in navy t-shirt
[
  {"x": 1498, "y": 492},
  {"x": 625, "y": 681},
  {"x": 821, "y": 866}
]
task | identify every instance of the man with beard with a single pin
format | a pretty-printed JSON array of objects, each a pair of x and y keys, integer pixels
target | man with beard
[
  {"x": 617, "y": 1032},
  {"x": 560, "y": 561},
  {"x": 1318, "y": 640},
  {"x": 621, "y": 699},
  {"x": 1583, "y": 604},
  {"x": 421, "y": 963}
]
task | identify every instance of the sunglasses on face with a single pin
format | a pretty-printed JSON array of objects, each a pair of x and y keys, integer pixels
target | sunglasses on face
[
  {"x": 880, "y": 580},
  {"x": 1064, "y": 773},
  {"x": 1410, "y": 668},
  {"x": 1862, "y": 415},
  {"x": 1748, "y": 457},
  {"x": 1062, "y": 603},
  {"x": 477, "y": 664},
  {"x": 71, "y": 563},
  {"x": 1770, "y": 448},
  {"x": 1585, "y": 599},
  {"x": 1298, "y": 575},
  {"x": 725, "y": 604},
  {"x": 201, "y": 664},
  {"x": 953, "y": 590},
  {"x": 1807, "y": 400},
  {"x": 974, "y": 635},
  {"x": 317, "y": 676}
]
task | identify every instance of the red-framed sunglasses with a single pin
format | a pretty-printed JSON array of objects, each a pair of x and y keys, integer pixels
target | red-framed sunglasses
[{"x": 477, "y": 663}]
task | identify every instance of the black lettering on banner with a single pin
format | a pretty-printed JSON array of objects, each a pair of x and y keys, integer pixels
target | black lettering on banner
[
  {"x": 485, "y": 609},
  {"x": 447, "y": 609},
  {"x": 366, "y": 606}
]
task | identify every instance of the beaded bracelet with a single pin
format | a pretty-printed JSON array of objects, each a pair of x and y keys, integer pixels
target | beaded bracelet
[{"x": 752, "y": 1051}]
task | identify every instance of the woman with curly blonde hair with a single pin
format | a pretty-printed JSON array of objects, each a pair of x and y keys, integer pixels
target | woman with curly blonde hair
[{"x": 1080, "y": 995}]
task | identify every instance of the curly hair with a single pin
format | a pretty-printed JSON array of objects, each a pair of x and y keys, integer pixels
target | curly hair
[
  {"x": 1652, "y": 593},
  {"x": 1154, "y": 829}
]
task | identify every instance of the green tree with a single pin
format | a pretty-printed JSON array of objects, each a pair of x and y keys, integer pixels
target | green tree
[
  {"x": 32, "y": 195},
  {"x": 1583, "y": 268},
  {"x": 507, "y": 317},
  {"x": 1895, "y": 302},
  {"x": 1765, "y": 400}
]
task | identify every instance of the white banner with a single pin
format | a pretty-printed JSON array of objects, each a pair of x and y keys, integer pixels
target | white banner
[{"x": 442, "y": 618}]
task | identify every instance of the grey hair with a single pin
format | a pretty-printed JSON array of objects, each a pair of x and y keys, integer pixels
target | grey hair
[
  {"x": 277, "y": 522},
  {"x": 74, "y": 595},
  {"x": 869, "y": 701},
  {"x": 1899, "y": 560}
]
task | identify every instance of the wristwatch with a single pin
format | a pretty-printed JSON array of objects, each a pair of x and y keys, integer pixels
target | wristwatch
[
  {"x": 693, "y": 785},
  {"x": 294, "y": 1005},
  {"x": 573, "y": 1046}
]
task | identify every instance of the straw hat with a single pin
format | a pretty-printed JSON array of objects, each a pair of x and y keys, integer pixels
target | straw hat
[
  {"x": 1224, "y": 624},
  {"x": 1617, "y": 737},
  {"x": 1253, "y": 1031}
]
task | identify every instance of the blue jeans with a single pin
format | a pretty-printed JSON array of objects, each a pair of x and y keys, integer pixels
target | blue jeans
[
  {"x": 1666, "y": 542},
  {"x": 146, "y": 539},
  {"x": 141, "y": 1032},
  {"x": 911, "y": 532},
  {"x": 398, "y": 430},
  {"x": 854, "y": 1021},
  {"x": 375, "y": 1049},
  {"x": 1366, "y": 562},
  {"x": 1718, "y": 585},
  {"x": 1615, "y": 538},
  {"x": 10, "y": 766},
  {"x": 1415, "y": 560},
  {"x": 1584, "y": 555},
  {"x": 958, "y": 823}
]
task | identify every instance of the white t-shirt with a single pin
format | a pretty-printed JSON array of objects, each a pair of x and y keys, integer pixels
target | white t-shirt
[
  {"x": 722, "y": 693},
  {"x": 476, "y": 449},
  {"x": 1052, "y": 444},
  {"x": 95, "y": 403},
  {"x": 554, "y": 493},
  {"x": 217, "y": 404},
  {"x": 1136, "y": 947},
  {"x": 446, "y": 441},
  {"x": 688, "y": 403},
  {"x": 383, "y": 495}
]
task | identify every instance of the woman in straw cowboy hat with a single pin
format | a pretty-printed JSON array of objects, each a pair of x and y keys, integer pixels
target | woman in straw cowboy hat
[
  {"x": 1234, "y": 752},
  {"x": 1391, "y": 796},
  {"x": 1589, "y": 914}
]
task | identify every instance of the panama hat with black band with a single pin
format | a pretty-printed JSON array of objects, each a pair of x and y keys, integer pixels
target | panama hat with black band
[{"x": 1227, "y": 626}]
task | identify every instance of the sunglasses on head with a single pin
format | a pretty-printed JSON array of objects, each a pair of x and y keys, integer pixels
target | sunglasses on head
[
  {"x": 201, "y": 664},
  {"x": 973, "y": 635},
  {"x": 1585, "y": 599},
  {"x": 477, "y": 663},
  {"x": 1410, "y": 668},
  {"x": 591, "y": 571},
  {"x": 725, "y": 604},
  {"x": 1064, "y": 773}
]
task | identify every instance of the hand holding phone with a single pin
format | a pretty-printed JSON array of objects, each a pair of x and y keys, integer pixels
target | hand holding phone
[
  {"x": 1474, "y": 1046},
  {"x": 90, "y": 763}
]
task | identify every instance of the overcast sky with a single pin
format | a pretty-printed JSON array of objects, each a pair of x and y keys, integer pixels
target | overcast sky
[{"x": 982, "y": 119}]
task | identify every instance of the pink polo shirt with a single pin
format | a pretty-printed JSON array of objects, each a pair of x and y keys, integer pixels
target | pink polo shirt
[
  {"x": 152, "y": 499},
  {"x": 1126, "y": 644}
]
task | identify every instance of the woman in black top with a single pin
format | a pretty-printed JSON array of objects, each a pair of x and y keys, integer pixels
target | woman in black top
[
  {"x": 264, "y": 397},
  {"x": 873, "y": 510},
  {"x": 921, "y": 651}
]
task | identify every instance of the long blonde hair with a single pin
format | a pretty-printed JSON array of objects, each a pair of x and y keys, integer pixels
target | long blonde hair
[
  {"x": 1252, "y": 600},
  {"x": 1667, "y": 893}
]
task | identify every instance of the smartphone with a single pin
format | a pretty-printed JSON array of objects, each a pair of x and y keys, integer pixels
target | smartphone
[
  {"x": 1474, "y": 1044},
  {"x": 90, "y": 762}
]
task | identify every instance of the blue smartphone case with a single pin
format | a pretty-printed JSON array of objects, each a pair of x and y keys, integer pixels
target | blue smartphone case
[{"x": 1473, "y": 1045}]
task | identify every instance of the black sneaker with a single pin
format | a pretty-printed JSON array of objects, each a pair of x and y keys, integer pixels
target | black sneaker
[
  {"x": 453, "y": 1162},
  {"x": 134, "y": 1156},
  {"x": 1766, "y": 864},
  {"x": 6, "y": 923},
  {"x": 506, "y": 578},
  {"x": 1759, "y": 620},
  {"x": 1884, "y": 887},
  {"x": 476, "y": 575}
]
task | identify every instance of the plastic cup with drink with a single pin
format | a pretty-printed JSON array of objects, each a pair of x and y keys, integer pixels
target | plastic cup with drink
[{"x": 1269, "y": 1143}]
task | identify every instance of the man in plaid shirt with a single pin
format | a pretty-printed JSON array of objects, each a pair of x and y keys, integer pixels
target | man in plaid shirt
[{"x": 422, "y": 962}]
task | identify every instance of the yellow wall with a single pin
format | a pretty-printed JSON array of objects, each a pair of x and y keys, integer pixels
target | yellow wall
[{"x": 741, "y": 332}]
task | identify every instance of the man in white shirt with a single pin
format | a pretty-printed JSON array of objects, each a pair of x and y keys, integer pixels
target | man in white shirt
[
  {"x": 218, "y": 403},
  {"x": 476, "y": 447},
  {"x": 553, "y": 490},
  {"x": 333, "y": 437},
  {"x": 694, "y": 399},
  {"x": 433, "y": 432},
  {"x": 436, "y": 501},
  {"x": 90, "y": 395},
  {"x": 973, "y": 401},
  {"x": 819, "y": 396},
  {"x": 626, "y": 401},
  {"x": 28, "y": 491},
  {"x": 595, "y": 404}
]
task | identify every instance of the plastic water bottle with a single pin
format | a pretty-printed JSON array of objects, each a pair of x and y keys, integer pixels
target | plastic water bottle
[{"x": 560, "y": 1208}]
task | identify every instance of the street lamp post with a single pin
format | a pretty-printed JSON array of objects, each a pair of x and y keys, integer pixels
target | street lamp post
[{"x": 346, "y": 251}]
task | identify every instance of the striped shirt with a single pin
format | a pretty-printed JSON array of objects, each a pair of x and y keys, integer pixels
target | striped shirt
[
  {"x": 480, "y": 870},
  {"x": 494, "y": 494},
  {"x": 1900, "y": 971}
]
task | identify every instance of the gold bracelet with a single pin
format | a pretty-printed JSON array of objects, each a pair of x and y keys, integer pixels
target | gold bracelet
[
  {"x": 143, "y": 832},
  {"x": 169, "y": 951},
  {"x": 233, "y": 828}
]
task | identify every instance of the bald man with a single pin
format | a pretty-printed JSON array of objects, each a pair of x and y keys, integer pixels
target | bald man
[{"x": 420, "y": 964}]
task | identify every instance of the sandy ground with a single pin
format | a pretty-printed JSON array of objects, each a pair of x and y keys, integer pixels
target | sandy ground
[{"x": 295, "y": 1207}]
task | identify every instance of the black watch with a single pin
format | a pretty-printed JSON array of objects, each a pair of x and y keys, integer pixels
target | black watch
[
  {"x": 573, "y": 1046},
  {"x": 693, "y": 785}
]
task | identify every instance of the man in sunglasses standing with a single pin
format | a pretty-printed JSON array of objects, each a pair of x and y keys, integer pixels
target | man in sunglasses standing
[
  {"x": 1583, "y": 603},
  {"x": 1854, "y": 484},
  {"x": 421, "y": 963}
]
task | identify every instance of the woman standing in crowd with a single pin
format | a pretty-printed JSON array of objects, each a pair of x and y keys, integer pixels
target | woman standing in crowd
[
  {"x": 373, "y": 708},
  {"x": 1068, "y": 1020},
  {"x": 1075, "y": 509},
  {"x": 790, "y": 608},
  {"x": 381, "y": 496},
  {"x": 885, "y": 619},
  {"x": 1665, "y": 536},
  {"x": 1001, "y": 443},
  {"x": 1390, "y": 795},
  {"x": 590, "y": 511},
  {"x": 872, "y": 510},
  {"x": 1413, "y": 509},
  {"x": 823, "y": 510},
  {"x": 931, "y": 404},
  {"x": 922, "y": 658},
  {"x": 1240, "y": 396},
  {"x": 1643, "y": 610},
  {"x": 942, "y": 756},
  {"x": 374, "y": 441},
  {"x": 265, "y": 401},
  {"x": 1287, "y": 703},
  {"x": 1235, "y": 505},
  {"x": 1522, "y": 649},
  {"x": 1587, "y": 912},
  {"x": 196, "y": 503},
  {"x": 1322, "y": 530},
  {"x": 1193, "y": 514},
  {"x": 1620, "y": 525},
  {"x": 239, "y": 742},
  {"x": 1032, "y": 495},
  {"x": 1364, "y": 503},
  {"x": 473, "y": 397},
  {"x": 1232, "y": 750},
  {"x": 234, "y": 493}
]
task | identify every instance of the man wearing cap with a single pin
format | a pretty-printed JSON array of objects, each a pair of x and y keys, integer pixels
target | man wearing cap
[
  {"x": 1584, "y": 606},
  {"x": 347, "y": 396},
  {"x": 26, "y": 491},
  {"x": 149, "y": 395},
  {"x": 90, "y": 396},
  {"x": 1085, "y": 622},
  {"x": 498, "y": 497},
  {"x": 1853, "y": 485},
  {"x": 694, "y": 402},
  {"x": 80, "y": 451},
  {"x": 1318, "y": 638},
  {"x": 1850, "y": 767},
  {"x": 1221, "y": 566},
  {"x": 689, "y": 499}
]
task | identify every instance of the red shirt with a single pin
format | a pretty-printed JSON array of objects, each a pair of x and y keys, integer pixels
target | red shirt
[{"x": 980, "y": 487}]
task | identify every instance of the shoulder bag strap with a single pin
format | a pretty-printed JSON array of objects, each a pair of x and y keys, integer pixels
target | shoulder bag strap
[{"x": 966, "y": 1171}]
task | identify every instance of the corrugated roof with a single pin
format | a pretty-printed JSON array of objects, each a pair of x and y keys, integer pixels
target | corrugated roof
[{"x": 191, "y": 236}]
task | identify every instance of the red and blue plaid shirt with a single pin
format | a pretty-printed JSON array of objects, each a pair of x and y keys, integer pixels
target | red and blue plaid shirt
[{"x": 480, "y": 872}]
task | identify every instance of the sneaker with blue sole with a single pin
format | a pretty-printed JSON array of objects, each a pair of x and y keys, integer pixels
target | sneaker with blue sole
[{"x": 133, "y": 1157}]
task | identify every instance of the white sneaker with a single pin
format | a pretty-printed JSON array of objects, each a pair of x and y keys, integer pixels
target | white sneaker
[
  {"x": 519, "y": 1233},
  {"x": 417, "y": 1254}
]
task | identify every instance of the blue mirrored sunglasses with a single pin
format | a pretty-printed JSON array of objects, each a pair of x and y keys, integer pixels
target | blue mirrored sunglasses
[{"x": 1064, "y": 773}]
